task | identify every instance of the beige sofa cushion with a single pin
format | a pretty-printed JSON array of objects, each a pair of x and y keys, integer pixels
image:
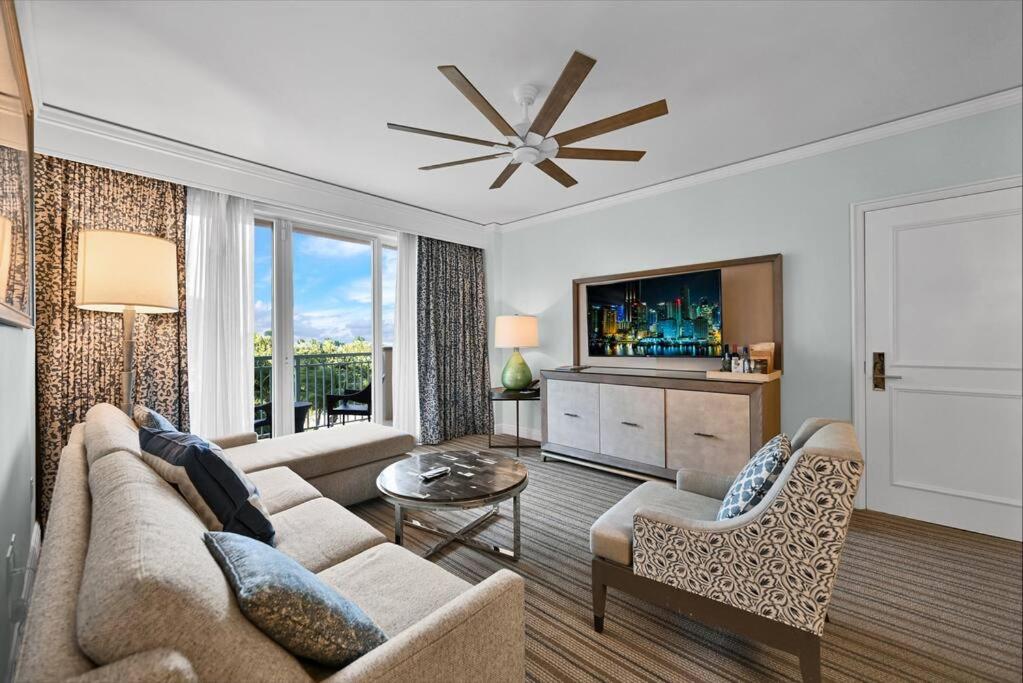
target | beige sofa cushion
[
  {"x": 108, "y": 430},
  {"x": 611, "y": 534},
  {"x": 319, "y": 452},
  {"x": 321, "y": 533},
  {"x": 393, "y": 586},
  {"x": 149, "y": 583},
  {"x": 281, "y": 489}
]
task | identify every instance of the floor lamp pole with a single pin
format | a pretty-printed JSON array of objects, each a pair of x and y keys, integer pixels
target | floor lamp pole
[{"x": 128, "y": 368}]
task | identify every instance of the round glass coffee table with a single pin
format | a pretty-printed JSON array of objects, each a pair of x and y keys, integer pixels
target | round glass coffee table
[{"x": 477, "y": 480}]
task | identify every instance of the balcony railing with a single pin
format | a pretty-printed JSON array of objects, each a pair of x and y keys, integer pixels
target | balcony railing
[{"x": 316, "y": 376}]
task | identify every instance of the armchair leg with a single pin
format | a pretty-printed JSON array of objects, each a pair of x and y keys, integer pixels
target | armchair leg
[{"x": 810, "y": 660}]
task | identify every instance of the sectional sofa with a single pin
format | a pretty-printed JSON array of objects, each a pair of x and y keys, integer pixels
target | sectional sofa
[{"x": 126, "y": 589}]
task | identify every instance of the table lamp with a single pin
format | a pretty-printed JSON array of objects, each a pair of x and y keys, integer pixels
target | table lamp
[
  {"x": 515, "y": 332},
  {"x": 127, "y": 273}
]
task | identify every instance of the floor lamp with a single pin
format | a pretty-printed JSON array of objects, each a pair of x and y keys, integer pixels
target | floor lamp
[{"x": 127, "y": 273}]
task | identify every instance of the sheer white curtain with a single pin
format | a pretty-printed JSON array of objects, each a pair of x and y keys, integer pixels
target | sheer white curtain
[
  {"x": 218, "y": 288},
  {"x": 406, "y": 350}
]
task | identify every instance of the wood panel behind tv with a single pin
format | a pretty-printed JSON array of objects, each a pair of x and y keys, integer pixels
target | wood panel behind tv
[{"x": 751, "y": 309}]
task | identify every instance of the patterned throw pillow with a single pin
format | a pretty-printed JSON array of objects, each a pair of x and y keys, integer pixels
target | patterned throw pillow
[
  {"x": 755, "y": 479},
  {"x": 292, "y": 605},
  {"x": 219, "y": 492},
  {"x": 147, "y": 417}
]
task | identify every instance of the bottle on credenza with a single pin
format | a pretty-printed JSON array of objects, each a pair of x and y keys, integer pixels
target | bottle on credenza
[
  {"x": 746, "y": 366},
  {"x": 737, "y": 360},
  {"x": 726, "y": 360}
]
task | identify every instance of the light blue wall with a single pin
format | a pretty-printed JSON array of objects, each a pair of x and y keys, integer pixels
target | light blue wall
[
  {"x": 800, "y": 209},
  {"x": 17, "y": 464}
]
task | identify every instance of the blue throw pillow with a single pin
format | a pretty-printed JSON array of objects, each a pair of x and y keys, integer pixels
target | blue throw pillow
[
  {"x": 147, "y": 417},
  {"x": 755, "y": 479},
  {"x": 292, "y": 605},
  {"x": 217, "y": 490}
]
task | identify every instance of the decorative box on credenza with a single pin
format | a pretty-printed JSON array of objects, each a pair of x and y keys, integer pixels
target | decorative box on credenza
[{"x": 655, "y": 422}]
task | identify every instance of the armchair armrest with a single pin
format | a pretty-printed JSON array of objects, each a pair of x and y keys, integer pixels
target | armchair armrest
[
  {"x": 708, "y": 484},
  {"x": 778, "y": 560},
  {"x": 478, "y": 636},
  {"x": 152, "y": 666},
  {"x": 235, "y": 440}
]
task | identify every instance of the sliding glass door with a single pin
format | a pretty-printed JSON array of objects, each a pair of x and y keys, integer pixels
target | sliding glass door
[{"x": 323, "y": 307}]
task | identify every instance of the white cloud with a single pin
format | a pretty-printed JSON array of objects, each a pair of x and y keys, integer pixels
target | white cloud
[
  {"x": 339, "y": 323},
  {"x": 335, "y": 248},
  {"x": 262, "y": 311}
]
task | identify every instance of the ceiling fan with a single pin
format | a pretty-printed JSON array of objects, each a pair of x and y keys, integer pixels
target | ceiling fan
[{"x": 528, "y": 142}]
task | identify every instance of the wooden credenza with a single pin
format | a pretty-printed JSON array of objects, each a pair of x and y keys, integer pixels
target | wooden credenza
[{"x": 657, "y": 421}]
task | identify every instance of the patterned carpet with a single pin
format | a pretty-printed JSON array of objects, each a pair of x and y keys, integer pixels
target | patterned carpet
[{"x": 913, "y": 601}]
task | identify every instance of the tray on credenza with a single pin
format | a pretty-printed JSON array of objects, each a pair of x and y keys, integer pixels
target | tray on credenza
[{"x": 751, "y": 377}]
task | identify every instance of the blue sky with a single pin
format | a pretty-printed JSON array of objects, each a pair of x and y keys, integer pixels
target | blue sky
[{"x": 332, "y": 287}]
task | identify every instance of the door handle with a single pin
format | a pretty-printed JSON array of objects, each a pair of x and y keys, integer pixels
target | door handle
[
  {"x": 629, "y": 424},
  {"x": 887, "y": 376},
  {"x": 570, "y": 415},
  {"x": 706, "y": 436}
]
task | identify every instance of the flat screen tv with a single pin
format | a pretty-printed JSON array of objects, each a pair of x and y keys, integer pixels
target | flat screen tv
[{"x": 662, "y": 316}]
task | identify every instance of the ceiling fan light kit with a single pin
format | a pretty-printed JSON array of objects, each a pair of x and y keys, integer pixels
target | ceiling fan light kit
[{"x": 528, "y": 142}]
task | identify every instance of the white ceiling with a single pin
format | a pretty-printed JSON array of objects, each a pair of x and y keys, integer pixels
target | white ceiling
[{"x": 308, "y": 87}]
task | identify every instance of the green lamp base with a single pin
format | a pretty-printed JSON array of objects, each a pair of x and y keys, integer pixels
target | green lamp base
[{"x": 516, "y": 375}]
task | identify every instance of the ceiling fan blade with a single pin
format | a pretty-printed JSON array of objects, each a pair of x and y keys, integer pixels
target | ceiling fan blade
[
  {"x": 600, "y": 154},
  {"x": 556, "y": 172},
  {"x": 505, "y": 174},
  {"x": 628, "y": 118},
  {"x": 463, "y": 161},
  {"x": 571, "y": 78},
  {"x": 447, "y": 136},
  {"x": 473, "y": 95}
]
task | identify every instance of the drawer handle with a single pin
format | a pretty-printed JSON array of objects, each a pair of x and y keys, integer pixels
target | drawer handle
[
  {"x": 629, "y": 424},
  {"x": 571, "y": 415},
  {"x": 706, "y": 436}
]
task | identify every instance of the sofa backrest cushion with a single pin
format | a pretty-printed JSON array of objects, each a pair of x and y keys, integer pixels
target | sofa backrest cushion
[
  {"x": 222, "y": 496},
  {"x": 149, "y": 582},
  {"x": 108, "y": 430}
]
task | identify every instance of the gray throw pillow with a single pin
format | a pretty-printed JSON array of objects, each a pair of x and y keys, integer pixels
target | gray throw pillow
[
  {"x": 292, "y": 605},
  {"x": 147, "y": 417}
]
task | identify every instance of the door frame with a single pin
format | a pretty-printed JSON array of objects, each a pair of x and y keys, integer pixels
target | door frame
[
  {"x": 285, "y": 223},
  {"x": 857, "y": 235}
]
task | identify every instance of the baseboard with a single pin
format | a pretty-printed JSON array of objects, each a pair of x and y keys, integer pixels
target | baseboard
[{"x": 524, "y": 432}]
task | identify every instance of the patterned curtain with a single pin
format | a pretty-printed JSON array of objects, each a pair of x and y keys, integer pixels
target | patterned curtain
[
  {"x": 14, "y": 248},
  {"x": 454, "y": 375},
  {"x": 79, "y": 352}
]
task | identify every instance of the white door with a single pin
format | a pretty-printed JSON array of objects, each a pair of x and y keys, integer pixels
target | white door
[{"x": 943, "y": 303}]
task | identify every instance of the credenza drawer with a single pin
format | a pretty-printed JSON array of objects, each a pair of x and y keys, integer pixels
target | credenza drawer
[
  {"x": 573, "y": 410},
  {"x": 707, "y": 431},
  {"x": 632, "y": 423}
]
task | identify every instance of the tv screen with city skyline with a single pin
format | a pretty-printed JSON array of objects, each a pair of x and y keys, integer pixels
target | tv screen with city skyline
[{"x": 669, "y": 315}]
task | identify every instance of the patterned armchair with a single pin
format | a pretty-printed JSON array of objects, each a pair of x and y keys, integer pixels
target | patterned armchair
[{"x": 767, "y": 574}]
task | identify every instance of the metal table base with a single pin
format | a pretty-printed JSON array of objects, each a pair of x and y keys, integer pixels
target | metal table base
[{"x": 461, "y": 535}]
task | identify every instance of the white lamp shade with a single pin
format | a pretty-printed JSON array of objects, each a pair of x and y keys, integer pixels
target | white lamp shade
[
  {"x": 515, "y": 331},
  {"x": 117, "y": 270}
]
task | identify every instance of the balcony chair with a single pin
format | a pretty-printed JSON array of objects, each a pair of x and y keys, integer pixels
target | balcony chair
[
  {"x": 357, "y": 404},
  {"x": 264, "y": 416},
  {"x": 767, "y": 574}
]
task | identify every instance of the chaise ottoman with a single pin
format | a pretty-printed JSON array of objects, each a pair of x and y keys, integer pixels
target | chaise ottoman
[{"x": 341, "y": 462}]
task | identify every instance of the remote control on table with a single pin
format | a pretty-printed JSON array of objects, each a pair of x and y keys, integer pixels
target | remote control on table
[{"x": 434, "y": 473}]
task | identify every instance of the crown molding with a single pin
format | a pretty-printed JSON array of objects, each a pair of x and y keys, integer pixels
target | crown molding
[
  {"x": 980, "y": 105},
  {"x": 74, "y": 136}
]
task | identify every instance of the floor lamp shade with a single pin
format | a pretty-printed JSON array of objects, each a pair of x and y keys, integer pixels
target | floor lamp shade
[
  {"x": 118, "y": 270},
  {"x": 515, "y": 332},
  {"x": 128, "y": 273}
]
